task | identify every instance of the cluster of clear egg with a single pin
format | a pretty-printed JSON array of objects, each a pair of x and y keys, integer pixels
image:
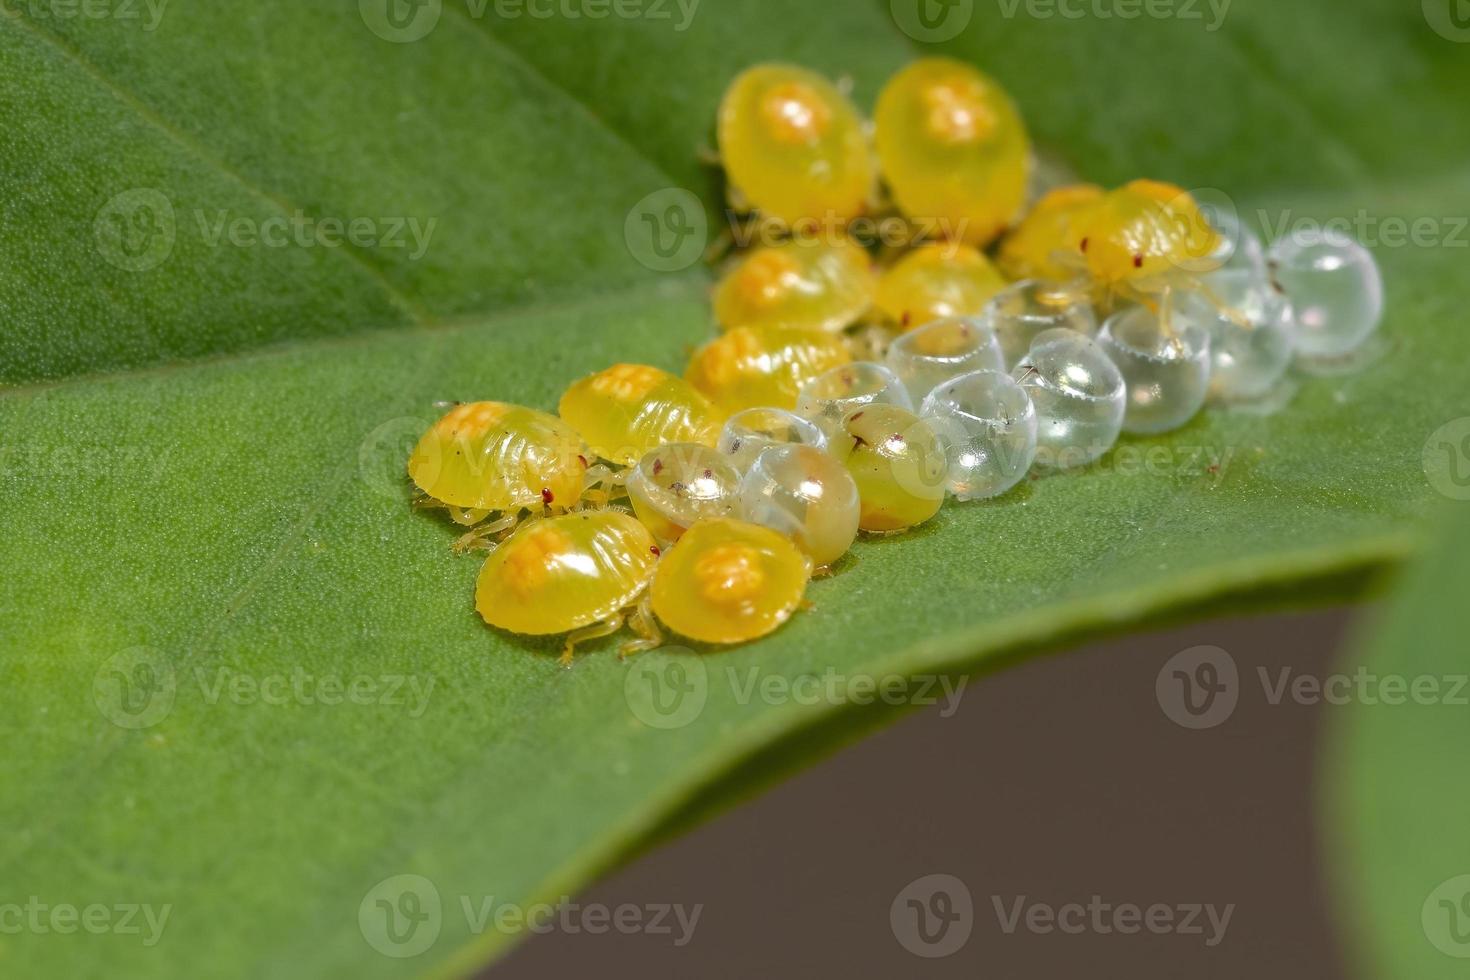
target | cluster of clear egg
[
  {"x": 1101, "y": 313},
  {"x": 849, "y": 394}
]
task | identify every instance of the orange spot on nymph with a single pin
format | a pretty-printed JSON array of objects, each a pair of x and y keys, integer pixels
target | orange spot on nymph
[
  {"x": 730, "y": 575},
  {"x": 529, "y": 563},
  {"x": 767, "y": 277},
  {"x": 474, "y": 417},
  {"x": 958, "y": 112},
  {"x": 796, "y": 113},
  {"x": 627, "y": 382}
]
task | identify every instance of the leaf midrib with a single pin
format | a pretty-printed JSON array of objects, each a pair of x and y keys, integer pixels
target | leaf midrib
[{"x": 218, "y": 165}]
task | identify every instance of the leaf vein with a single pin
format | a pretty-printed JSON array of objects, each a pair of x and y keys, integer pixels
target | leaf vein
[{"x": 190, "y": 144}]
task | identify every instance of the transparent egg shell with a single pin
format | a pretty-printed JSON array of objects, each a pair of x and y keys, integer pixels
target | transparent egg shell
[
  {"x": 898, "y": 464},
  {"x": 1252, "y": 333},
  {"x": 1045, "y": 245},
  {"x": 799, "y": 284},
  {"x": 729, "y": 581},
  {"x": 1165, "y": 364},
  {"x": 987, "y": 424},
  {"x": 937, "y": 281},
  {"x": 1027, "y": 309},
  {"x": 1335, "y": 288},
  {"x": 953, "y": 146},
  {"x": 562, "y": 573},
  {"x": 931, "y": 355},
  {"x": 676, "y": 485},
  {"x": 629, "y": 409},
  {"x": 753, "y": 366},
  {"x": 749, "y": 433},
  {"x": 498, "y": 457},
  {"x": 1239, "y": 251},
  {"x": 827, "y": 399},
  {"x": 1080, "y": 398},
  {"x": 794, "y": 146},
  {"x": 807, "y": 495}
]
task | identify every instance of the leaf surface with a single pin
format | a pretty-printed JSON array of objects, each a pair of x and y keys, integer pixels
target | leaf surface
[{"x": 201, "y": 457}]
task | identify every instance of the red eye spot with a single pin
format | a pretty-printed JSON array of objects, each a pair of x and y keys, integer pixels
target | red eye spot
[
  {"x": 1138, "y": 261},
  {"x": 583, "y": 460},
  {"x": 658, "y": 467},
  {"x": 1086, "y": 242},
  {"x": 547, "y": 497},
  {"x": 654, "y": 551},
  {"x": 908, "y": 318}
]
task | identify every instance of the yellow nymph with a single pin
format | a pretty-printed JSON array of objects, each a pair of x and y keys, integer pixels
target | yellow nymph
[
  {"x": 727, "y": 581},
  {"x": 487, "y": 457},
  {"x": 751, "y": 367},
  {"x": 954, "y": 149},
  {"x": 797, "y": 283},
  {"x": 794, "y": 147},
  {"x": 1144, "y": 234},
  {"x": 575, "y": 574},
  {"x": 628, "y": 409},
  {"x": 937, "y": 281},
  {"x": 1045, "y": 244}
]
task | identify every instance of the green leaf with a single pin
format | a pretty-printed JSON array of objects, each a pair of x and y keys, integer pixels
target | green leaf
[
  {"x": 1396, "y": 793},
  {"x": 201, "y": 442}
]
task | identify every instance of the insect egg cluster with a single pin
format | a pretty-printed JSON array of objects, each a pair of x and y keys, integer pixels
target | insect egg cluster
[{"x": 854, "y": 385}]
